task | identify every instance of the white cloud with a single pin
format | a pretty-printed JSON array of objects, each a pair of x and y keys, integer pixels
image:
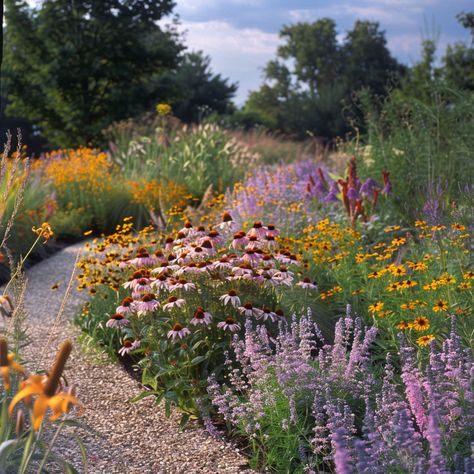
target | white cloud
[
  {"x": 238, "y": 54},
  {"x": 387, "y": 15}
]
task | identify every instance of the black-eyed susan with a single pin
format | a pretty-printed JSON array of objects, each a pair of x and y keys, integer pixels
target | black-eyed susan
[
  {"x": 440, "y": 305},
  {"x": 468, "y": 276},
  {"x": 393, "y": 287},
  {"x": 457, "y": 226},
  {"x": 408, "y": 284},
  {"x": 375, "y": 274},
  {"x": 45, "y": 388},
  {"x": 464, "y": 285},
  {"x": 425, "y": 340},
  {"x": 421, "y": 323},
  {"x": 376, "y": 307},
  {"x": 402, "y": 325}
]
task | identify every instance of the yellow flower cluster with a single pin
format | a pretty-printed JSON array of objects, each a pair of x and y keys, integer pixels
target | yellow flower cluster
[
  {"x": 168, "y": 196},
  {"x": 86, "y": 168},
  {"x": 163, "y": 109},
  {"x": 44, "y": 230}
]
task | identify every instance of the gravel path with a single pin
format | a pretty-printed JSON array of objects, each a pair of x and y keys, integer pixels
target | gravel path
[{"x": 135, "y": 437}]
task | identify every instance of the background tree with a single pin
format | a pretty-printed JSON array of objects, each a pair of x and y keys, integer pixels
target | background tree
[
  {"x": 196, "y": 90},
  {"x": 458, "y": 62},
  {"x": 313, "y": 79},
  {"x": 74, "y": 67}
]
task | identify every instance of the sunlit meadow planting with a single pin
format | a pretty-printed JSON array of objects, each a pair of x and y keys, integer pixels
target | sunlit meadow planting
[{"x": 208, "y": 310}]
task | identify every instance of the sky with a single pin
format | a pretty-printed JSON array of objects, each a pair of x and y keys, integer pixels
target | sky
[{"x": 241, "y": 36}]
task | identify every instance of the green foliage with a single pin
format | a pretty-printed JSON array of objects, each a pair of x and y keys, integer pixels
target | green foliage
[
  {"x": 426, "y": 143},
  {"x": 76, "y": 67},
  {"x": 195, "y": 91},
  {"x": 310, "y": 97},
  {"x": 196, "y": 157}
]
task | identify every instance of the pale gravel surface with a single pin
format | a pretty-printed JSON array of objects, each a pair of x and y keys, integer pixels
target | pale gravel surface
[{"x": 137, "y": 437}]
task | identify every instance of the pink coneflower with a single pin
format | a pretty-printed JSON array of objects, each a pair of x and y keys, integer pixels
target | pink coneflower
[
  {"x": 141, "y": 286},
  {"x": 173, "y": 302},
  {"x": 270, "y": 280},
  {"x": 117, "y": 321},
  {"x": 307, "y": 284},
  {"x": 128, "y": 346},
  {"x": 147, "y": 303},
  {"x": 271, "y": 230},
  {"x": 251, "y": 256},
  {"x": 169, "y": 243},
  {"x": 227, "y": 222},
  {"x": 253, "y": 244},
  {"x": 161, "y": 283},
  {"x": 231, "y": 297},
  {"x": 164, "y": 268},
  {"x": 267, "y": 313},
  {"x": 201, "y": 317},
  {"x": 283, "y": 275},
  {"x": 240, "y": 240},
  {"x": 257, "y": 230},
  {"x": 178, "y": 331},
  {"x": 283, "y": 258},
  {"x": 270, "y": 241},
  {"x": 243, "y": 269},
  {"x": 135, "y": 278},
  {"x": 223, "y": 262},
  {"x": 215, "y": 237},
  {"x": 197, "y": 252},
  {"x": 203, "y": 267},
  {"x": 248, "y": 310},
  {"x": 229, "y": 325},
  {"x": 207, "y": 246},
  {"x": 187, "y": 229},
  {"x": 182, "y": 284},
  {"x": 126, "y": 306},
  {"x": 143, "y": 259}
]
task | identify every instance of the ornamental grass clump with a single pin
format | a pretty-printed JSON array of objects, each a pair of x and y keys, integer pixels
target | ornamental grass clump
[{"x": 304, "y": 405}]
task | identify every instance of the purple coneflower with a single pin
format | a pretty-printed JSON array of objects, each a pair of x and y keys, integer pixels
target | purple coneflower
[
  {"x": 117, "y": 321},
  {"x": 240, "y": 240},
  {"x": 248, "y": 310},
  {"x": 231, "y": 297},
  {"x": 267, "y": 313},
  {"x": 173, "y": 302},
  {"x": 307, "y": 284},
  {"x": 178, "y": 331},
  {"x": 258, "y": 230},
  {"x": 182, "y": 284},
  {"x": 201, "y": 317},
  {"x": 128, "y": 346},
  {"x": 126, "y": 306},
  {"x": 229, "y": 325},
  {"x": 147, "y": 303}
]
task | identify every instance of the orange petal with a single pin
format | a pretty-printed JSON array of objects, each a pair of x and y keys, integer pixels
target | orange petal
[
  {"x": 5, "y": 371},
  {"x": 39, "y": 410}
]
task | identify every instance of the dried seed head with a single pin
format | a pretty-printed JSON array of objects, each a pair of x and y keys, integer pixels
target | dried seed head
[
  {"x": 3, "y": 352},
  {"x": 58, "y": 368}
]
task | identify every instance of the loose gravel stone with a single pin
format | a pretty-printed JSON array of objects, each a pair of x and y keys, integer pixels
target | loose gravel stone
[{"x": 131, "y": 437}]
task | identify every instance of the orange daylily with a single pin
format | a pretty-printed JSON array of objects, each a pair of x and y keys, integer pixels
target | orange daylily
[{"x": 45, "y": 389}]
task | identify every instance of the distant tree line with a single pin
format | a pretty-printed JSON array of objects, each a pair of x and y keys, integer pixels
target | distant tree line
[{"x": 73, "y": 67}]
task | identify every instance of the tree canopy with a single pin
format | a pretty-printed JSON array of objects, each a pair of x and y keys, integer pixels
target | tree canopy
[{"x": 312, "y": 79}]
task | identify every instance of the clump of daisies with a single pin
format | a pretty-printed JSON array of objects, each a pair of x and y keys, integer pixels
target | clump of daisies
[{"x": 187, "y": 299}]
